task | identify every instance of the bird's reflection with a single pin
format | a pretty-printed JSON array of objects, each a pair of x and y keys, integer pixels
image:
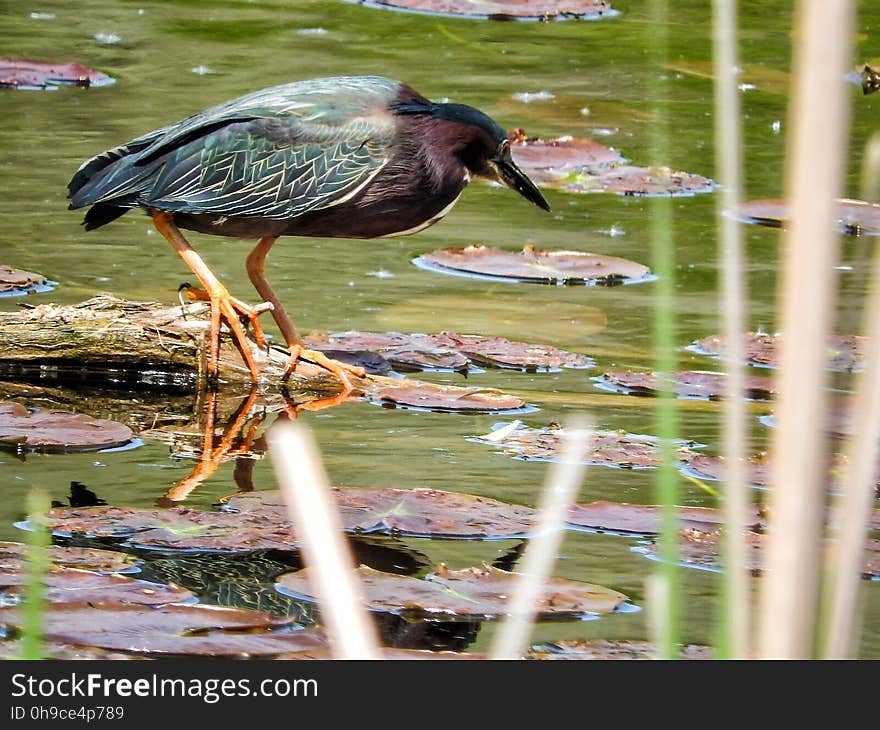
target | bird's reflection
[{"x": 242, "y": 438}]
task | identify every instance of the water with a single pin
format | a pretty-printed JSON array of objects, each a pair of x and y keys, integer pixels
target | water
[{"x": 172, "y": 59}]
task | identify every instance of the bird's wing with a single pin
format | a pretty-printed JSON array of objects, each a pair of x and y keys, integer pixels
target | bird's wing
[
  {"x": 269, "y": 168},
  {"x": 276, "y": 153}
]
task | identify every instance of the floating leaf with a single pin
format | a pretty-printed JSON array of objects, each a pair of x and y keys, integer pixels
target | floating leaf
[
  {"x": 846, "y": 353},
  {"x": 855, "y": 217},
  {"x": 643, "y": 519},
  {"x": 102, "y": 561},
  {"x": 688, "y": 384},
  {"x": 433, "y": 397},
  {"x": 643, "y": 181},
  {"x": 21, "y": 74},
  {"x": 503, "y": 9},
  {"x": 412, "y": 512},
  {"x": 451, "y": 351},
  {"x": 609, "y": 649},
  {"x": 758, "y": 469},
  {"x": 14, "y": 282},
  {"x": 57, "y": 650},
  {"x": 48, "y": 430},
  {"x": 610, "y": 448},
  {"x": 535, "y": 266},
  {"x": 172, "y": 629},
  {"x": 698, "y": 549},
  {"x": 482, "y": 593},
  {"x": 552, "y": 160},
  {"x": 71, "y": 585},
  {"x": 177, "y": 528}
]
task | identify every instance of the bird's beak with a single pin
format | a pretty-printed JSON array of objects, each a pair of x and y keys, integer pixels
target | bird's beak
[{"x": 510, "y": 174}]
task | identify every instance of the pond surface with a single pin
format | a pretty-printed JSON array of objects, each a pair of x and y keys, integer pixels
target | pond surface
[{"x": 176, "y": 58}]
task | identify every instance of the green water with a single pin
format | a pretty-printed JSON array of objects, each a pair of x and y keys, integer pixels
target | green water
[{"x": 602, "y": 80}]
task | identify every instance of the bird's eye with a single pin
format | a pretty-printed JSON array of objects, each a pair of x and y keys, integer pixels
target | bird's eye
[{"x": 504, "y": 148}]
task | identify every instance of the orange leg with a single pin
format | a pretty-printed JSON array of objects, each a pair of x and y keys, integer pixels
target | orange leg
[
  {"x": 255, "y": 268},
  {"x": 245, "y": 311},
  {"x": 222, "y": 305}
]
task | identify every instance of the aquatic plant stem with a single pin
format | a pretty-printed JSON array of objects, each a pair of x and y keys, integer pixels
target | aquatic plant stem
[
  {"x": 37, "y": 565},
  {"x": 819, "y": 117},
  {"x": 314, "y": 514},
  {"x": 560, "y": 492},
  {"x": 667, "y": 578},
  {"x": 854, "y": 504},
  {"x": 732, "y": 626}
]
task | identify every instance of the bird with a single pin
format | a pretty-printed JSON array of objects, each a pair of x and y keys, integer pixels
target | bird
[{"x": 339, "y": 157}]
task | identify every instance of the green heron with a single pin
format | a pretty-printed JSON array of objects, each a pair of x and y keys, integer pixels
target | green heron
[{"x": 352, "y": 157}]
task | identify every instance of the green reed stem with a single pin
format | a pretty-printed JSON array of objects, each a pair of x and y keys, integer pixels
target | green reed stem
[
  {"x": 669, "y": 613},
  {"x": 36, "y": 567}
]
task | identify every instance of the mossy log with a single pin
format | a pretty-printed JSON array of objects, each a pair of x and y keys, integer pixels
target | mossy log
[{"x": 107, "y": 341}]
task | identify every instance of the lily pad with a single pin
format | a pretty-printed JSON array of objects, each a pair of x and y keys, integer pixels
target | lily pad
[
  {"x": 698, "y": 549},
  {"x": 855, "y": 217},
  {"x": 15, "y": 282},
  {"x": 482, "y": 593},
  {"x": 609, "y": 649},
  {"x": 641, "y": 181},
  {"x": 688, "y": 384},
  {"x": 549, "y": 161},
  {"x": 503, "y": 9},
  {"x": 452, "y": 351},
  {"x": 17, "y": 73},
  {"x": 57, "y": 431},
  {"x": 57, "y": 650},
  {"x": 72, "y": 585},
  {"x": 846, "y": 353},
  {"x": 101, "y": 561},
  {"x": 535, "y": 266},
  {"x": 172, "y": 629},
  {"x": 177, "y": 528},
  {"x": 758, "y": 466},
  {"x": 644, "y": 519},
  {"x": 450, "y": 398},
  {"x": 410, "y": 512},
  {"x": 610, "y": 448}
]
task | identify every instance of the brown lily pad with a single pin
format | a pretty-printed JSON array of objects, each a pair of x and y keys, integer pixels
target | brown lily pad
[
  {"x": 451, "y": 398},
  {"x": 698, "y": 549},
  {"x": 536, "y": 266},
  {"x": 57, "y": 650},
  {"x": 846, "y": 353},
  {"x": 451, "y": 351},
  {"x": 411, "y": 512},
  {"x": 177, "y": 528},
  {"x": 642, "y": 181},
  {"x": 644, "y": 519},
  {"x": 610, "y": 448},
  {"x": 482, "y": 593},
  {"x": 16, "y": 73},
  {"x": 688, "y": 384},
  {"x": 549, "y": 161},
  {"x": 173, "y": 629},
  {"x": 57, "y": 431},
  {"x": 503, "y": 9},
  {"x": 609, "y": 649},
  {"x": 855, "y": 217},
  {"x": 101, "y": 561},
  {"x": 72, "y": 585},
  {"x": 15, "y": 282},
  {"x": 758, "y": 469}
]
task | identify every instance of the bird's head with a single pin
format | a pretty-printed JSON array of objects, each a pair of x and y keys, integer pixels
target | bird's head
[{"x": 481, "y": 145}]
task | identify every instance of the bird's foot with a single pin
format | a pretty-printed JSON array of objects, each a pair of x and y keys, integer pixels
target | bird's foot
[
  {"x": 244, "y": 312},
  {"x": 340, "y": 369}
]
